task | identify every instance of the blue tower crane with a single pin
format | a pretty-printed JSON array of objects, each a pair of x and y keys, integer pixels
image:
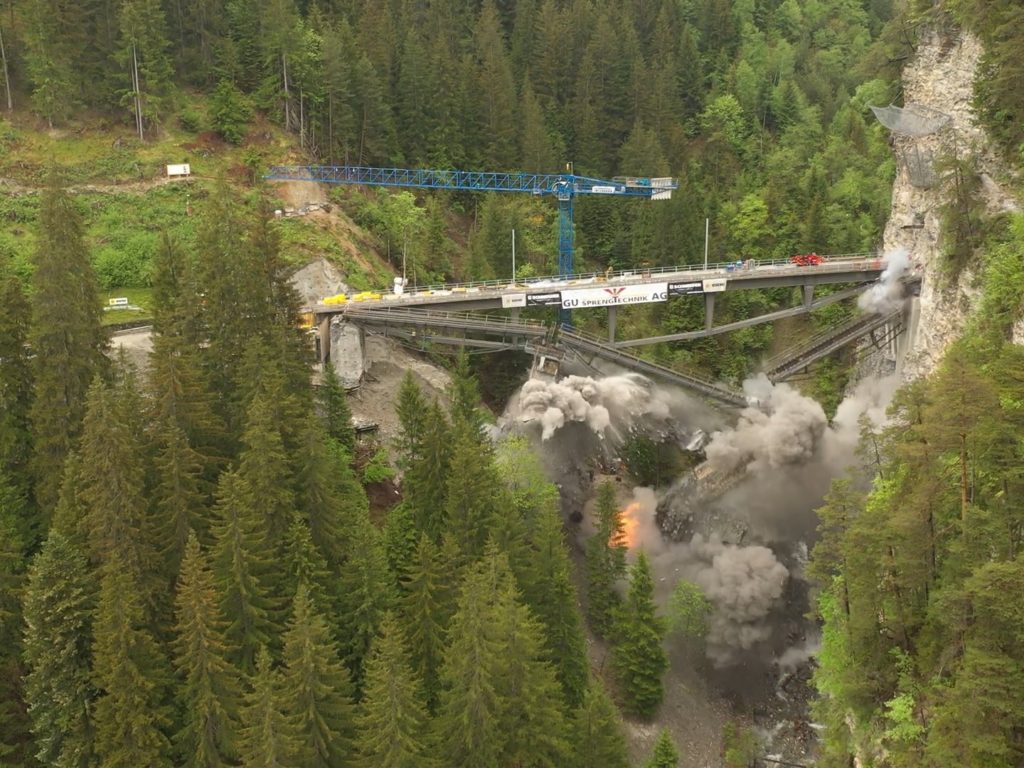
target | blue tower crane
[{"x": 565, "y": 187}]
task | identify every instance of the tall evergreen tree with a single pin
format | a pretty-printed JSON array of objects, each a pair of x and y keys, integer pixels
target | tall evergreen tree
[
  {"x": 428, "y": 474},
  {"x": 269, "y": 735},
  {"x": 469, "y": 708},
  {"x": 393, "y": 729},
  {"x": 241, "y": 561},
  {"x": 180, "y": 506},
  {"x": 411, "y": 408},
  {"x": 605, "y": 561},
  {"x": 15, "y": 726},
  {"x": 209, "y": 694},
  {"x": 65, "y": 336},
  {"x": 15, "y": 380},
  {"x": 263, "y": 471},
  {"x": 368, "y": 591},
  {"x": 143, "y": 52},
  {"x": 317, "y": 690},
  {"x": 637, "y": 655},
  {"x": 426, "y": 608},
  {"x": 337, "y": 415},
  {"x": 112, "y": 488},
  {"x": 597, "y": 736},
  {"x": 131, "y": 716},
  {"x": 58, "y": 608}
]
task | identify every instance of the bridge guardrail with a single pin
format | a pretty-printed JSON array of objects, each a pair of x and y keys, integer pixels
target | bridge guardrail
[{"x": 425, "y": 293}]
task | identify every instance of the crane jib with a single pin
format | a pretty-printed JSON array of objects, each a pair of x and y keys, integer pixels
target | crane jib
[{"x": 565, "y": 187}]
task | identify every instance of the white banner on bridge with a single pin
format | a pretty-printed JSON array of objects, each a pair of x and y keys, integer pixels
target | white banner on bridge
[
  {"x": 715, "y": 285},
  {"x": 614, "y": 296},
  {"x": 511, "y": 300}
]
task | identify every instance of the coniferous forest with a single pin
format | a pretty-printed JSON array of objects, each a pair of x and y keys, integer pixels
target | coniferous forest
[{"x": 191, "y": 572}]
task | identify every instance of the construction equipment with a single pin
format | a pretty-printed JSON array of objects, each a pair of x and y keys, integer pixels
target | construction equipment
[
  {"x": 564, "y": 187},
  {"x": 808, "y": 260}
]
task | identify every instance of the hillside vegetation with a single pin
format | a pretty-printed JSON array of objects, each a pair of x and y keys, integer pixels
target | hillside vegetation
[{"x": 759, "y": 107}]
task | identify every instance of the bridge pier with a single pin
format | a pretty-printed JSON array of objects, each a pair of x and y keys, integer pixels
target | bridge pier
[
  {"x": 808, "y": 296},
  {"x": 347, "y": 352},
  {"x": 612, "y": 315},
  {"x": 709, "y": 311},
  {"x": 324, "y": 332}
]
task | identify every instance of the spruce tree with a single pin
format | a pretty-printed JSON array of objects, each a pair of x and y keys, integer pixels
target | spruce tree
[
  {"x": 15, "y": 380},
  {"x": 411, "y": 408},
  {"x": 306, "y": 566},
  {"x": 637, "y": 655},
  {"x": 336, "y": 413},
  {"x": 65, "y": 336},
  {"x": 317, "y": 689},
  {"x": 128, "y": 669},
  {"x": 475, "y": 494},
  {"x": 368, "y": 591},
  {"x": 665, "y": 754},
  {"x": 426, "y": 608},
  {"x": 209, "y": 695},
  {"x": 268, "y": 736},
  {"x": 427, "y": 478},
  {"x": 241, "y": 563},
  {"x": 393, "y": 729},
  {"x": 180, "y": 505},
  {"x": 112, "y": 489},
  {"x": 58, "y": 608},
  {"x": 15, "y": 739},
  {"x": 329, "y": 493},
  {"x": 605, "y": 561},
  {"x": 597, "y": 735},
  {"x": 143, "y": 52},
  {"x": 532, "y": 713},
  {"x": 468, "y": 727},
  {"x": 263, "y": 470}
]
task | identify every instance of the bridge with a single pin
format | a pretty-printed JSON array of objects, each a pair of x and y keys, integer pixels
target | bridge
[
  {"x": 800, "y": 356},
  {"x": 450, "y": 314}
]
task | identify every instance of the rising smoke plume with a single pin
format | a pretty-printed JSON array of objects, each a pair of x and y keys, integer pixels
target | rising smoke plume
[
  {"x": 886, "y": 295},
  {"x": 744, "y": 585},
  {"x": 784, "y": 427},
  {"x": 784, "y": 445},
  {"x": 608, "y": 406}
]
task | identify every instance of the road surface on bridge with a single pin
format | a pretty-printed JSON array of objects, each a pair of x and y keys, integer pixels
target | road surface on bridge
[{"x": 637, "y": 286}]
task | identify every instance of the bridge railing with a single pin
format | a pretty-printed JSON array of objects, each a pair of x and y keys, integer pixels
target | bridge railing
[
  {"x": 823, "y": 337},
  {"x": 833, "y": 263}
]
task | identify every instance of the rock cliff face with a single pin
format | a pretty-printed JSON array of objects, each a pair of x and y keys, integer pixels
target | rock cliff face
[{"x": 940, "y": 77}]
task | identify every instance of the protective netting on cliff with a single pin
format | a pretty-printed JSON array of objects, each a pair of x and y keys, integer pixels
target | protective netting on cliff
[{"x": 915, "y": 121}]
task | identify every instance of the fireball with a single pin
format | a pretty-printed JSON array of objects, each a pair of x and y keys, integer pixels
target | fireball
[{"x": 630, "y": 535}]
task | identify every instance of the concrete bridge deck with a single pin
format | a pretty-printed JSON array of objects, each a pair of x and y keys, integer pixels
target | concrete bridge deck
[{"x": 661, "y": 283}]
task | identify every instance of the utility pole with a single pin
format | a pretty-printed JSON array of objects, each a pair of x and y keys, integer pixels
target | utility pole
[
  {"x": 513, "y": 257},
  {"x": 707, "y": 232}
]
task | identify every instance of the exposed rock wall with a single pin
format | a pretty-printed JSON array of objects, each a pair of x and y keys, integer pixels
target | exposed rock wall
[{"x": 940, "y": 77}]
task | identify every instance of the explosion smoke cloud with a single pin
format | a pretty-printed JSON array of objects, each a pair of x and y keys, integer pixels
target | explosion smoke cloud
[
  {"x": 607, "y": 406},
  {"x": 783, "y": 428},
  {"x": 886, "y": 295},
  {"x": 743, "y": 585}
]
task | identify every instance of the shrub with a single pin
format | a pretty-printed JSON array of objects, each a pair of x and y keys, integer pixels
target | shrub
[
  {"x": 190, "y": 120},
  {"x": 229, "y": 112}
]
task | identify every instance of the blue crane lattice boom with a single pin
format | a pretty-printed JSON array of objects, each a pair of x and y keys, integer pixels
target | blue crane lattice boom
[{"x": 565, "y": 187}]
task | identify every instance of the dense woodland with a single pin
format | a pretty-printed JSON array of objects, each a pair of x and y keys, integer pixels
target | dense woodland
[
  {"x": 190, "y": 573},
  {"x": 758, "y": 107}
]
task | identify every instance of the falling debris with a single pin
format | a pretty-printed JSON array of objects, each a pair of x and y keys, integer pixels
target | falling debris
[{"x": 887, "y": 294}]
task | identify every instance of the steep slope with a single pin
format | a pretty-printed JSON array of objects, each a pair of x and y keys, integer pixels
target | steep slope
[{"x": 940, "y": 77}]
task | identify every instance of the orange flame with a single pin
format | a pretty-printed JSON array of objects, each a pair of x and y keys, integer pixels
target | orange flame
[{"x": 630, "y": 527}]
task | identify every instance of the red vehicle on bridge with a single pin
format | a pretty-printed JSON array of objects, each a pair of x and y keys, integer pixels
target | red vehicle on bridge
[{"x": 808, "y": 260}]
